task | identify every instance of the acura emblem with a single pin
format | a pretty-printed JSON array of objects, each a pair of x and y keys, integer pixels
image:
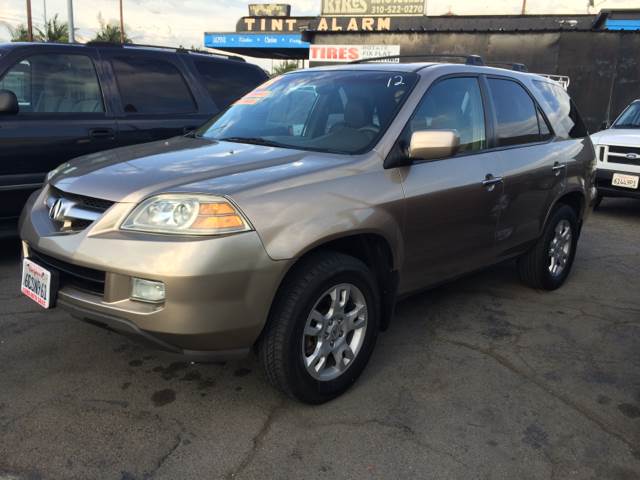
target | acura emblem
[
  {"x": 633, "y": 156},
  {"x": 56, "y": 212}
]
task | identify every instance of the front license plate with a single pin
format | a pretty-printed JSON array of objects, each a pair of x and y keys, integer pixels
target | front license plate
[
  {"x": 36, "y": 283},
  {"x": 625, "y": 181}
]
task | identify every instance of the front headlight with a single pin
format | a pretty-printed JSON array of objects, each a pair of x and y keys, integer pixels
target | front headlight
[{"x": 186, "y": 214}]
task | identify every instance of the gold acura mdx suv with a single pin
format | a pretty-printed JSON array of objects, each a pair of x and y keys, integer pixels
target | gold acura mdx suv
[{"x": 291, "y": 222}]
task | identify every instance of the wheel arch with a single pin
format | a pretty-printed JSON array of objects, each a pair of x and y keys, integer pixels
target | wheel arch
[
  {"x": 373, "y": 249},
  {"x": 576, "y": 199}
]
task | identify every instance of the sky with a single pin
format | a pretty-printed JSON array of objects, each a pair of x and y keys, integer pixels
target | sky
[{"x": 183, "y": 22}]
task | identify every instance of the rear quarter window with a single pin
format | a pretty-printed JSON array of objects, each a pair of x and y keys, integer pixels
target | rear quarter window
[
  {"x": 516, "y": 116},
  {"x": 226, "y": 82},
  {"x": 560, "y": 110}
]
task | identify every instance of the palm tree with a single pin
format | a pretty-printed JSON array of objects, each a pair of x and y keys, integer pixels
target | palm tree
[
  {"x": 19, "y": 33},
  {"x": 109, "y": 32},
  {"x": 54, "y": 31},
  {"x": 284, "y": 68}
]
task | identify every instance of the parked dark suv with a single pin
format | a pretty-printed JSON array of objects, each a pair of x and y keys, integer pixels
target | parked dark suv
[{"x": 77, "y": 99}]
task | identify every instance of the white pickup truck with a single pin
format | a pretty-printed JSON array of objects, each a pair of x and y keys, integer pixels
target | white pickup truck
[{"x": 618, "y": 153}]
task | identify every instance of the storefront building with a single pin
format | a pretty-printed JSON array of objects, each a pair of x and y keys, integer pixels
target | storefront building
[{"x": 599, "y": 53}]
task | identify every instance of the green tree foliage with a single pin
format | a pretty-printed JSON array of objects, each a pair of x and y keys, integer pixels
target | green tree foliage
[
  {"x": 54, "y": 31},
  {"x": 284, "y": 67},
  {"x": 109, "y": 32},
  {"x": 19, "y": 33}
]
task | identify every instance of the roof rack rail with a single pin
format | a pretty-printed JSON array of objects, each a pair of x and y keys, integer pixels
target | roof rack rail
[
  {"x": 469, "y": 59},
  {"x": 515, "y": 66},
  {"x": 100, "y": 43},
  {"x": 563, "y": 80}
]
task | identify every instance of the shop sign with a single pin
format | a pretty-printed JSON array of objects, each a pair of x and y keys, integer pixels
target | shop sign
[
  {"x": 269, "y": 10},
  {"x": 372, "y": 7},
  {"x": 322, "y": 24},
  {"x": 351, "y": 53}
]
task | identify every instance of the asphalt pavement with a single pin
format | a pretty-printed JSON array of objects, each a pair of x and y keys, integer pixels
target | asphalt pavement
[{"x": 480, "y": 379}]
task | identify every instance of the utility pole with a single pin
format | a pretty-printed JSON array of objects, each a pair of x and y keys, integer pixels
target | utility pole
[
  {"x": 72, "y": 37},
  {"x": 524, "y": 7},
  {"x": 44, "y": 9},
  {"x": 29, "y": 22},
  {"x": 121, "y": 25}
]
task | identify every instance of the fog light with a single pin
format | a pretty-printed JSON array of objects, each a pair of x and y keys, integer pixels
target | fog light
[{"x": 147, "y": 290}]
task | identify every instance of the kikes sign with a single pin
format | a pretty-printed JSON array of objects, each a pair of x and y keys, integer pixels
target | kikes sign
[{"x": 350, "y": 53}]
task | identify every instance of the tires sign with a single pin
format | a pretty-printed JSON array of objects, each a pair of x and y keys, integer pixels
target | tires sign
[{"x": 351, "y": 53}]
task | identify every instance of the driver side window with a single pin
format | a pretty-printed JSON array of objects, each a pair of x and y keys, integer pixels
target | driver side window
[
  {"x": 55, "y": 83},
  {"x": 453, "y": 104}
]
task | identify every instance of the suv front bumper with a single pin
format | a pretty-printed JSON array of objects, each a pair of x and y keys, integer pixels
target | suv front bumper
[
  {"x": 603, "y": 184},
  {"x": 218, "y": 289}
]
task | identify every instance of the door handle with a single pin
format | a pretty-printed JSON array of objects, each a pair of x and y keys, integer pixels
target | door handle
[
  {"x": 102, "y": 133},
  {"x": 558, "y": 167},
  {"x": 490, "y": 182}
]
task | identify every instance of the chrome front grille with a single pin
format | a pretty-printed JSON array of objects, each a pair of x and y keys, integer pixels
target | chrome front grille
[
  {"x": 74, "y": 212},
  {"x": 620, "y": 154}
]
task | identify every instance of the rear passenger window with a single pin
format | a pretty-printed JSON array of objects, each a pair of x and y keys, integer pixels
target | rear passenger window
[
  {"x": 561, "y": 110},
  {"x": 55, "y": 83},
  {"x": 152, "y": 86},
  {"x": 516, "y": 114},
  {"x": 453, "y": 104},
  {"x": 226, "y": 82}
]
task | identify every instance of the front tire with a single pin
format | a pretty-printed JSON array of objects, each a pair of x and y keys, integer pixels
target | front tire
[
  {"x": 547, "y": 265},
  {"x": 322, "y": 328}
]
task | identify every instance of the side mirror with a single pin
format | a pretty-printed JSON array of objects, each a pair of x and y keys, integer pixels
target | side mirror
[
  {"x": 8, "y": 103},
  {"x": 431, "y": 144},
  {"x": 604, "y": 125}
]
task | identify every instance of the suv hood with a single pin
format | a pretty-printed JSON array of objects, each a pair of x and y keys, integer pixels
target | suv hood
[
  {"x": 629, "y": 137},
  {"x": 130, "y": 174}
]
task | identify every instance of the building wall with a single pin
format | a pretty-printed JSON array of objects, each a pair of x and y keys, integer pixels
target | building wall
[
  {"x": 604, "y": 67},
  {"x": 514, "y": 7}
]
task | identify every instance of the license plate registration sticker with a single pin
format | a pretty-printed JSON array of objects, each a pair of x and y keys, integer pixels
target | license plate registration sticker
[
  {"x": 36, "y": 283},
  {"x": 625, "y": 181}
]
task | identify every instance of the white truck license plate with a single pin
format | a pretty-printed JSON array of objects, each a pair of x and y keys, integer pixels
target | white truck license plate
[{"x": 625, "y": 181}]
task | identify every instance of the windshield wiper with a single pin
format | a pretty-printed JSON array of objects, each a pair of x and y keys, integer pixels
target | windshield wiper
[{"x": 253, "y": 141}]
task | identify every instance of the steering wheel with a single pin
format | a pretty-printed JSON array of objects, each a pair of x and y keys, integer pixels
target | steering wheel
[{"x": 369, "y": 129}]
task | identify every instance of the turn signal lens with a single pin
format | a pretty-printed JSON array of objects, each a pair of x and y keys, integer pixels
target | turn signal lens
[
  {"x": 216, "y": 209},
  {"x": 218, "y": 222},
  {"x": 186, "y": 214}
]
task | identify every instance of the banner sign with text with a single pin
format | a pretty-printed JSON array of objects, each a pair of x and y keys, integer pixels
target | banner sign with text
[{"x": 350, "y": 53}]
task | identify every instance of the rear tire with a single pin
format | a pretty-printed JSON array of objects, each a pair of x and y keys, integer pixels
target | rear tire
[
  {"x": 313, "y": 318},
  {"x": 548, "y": 264}
]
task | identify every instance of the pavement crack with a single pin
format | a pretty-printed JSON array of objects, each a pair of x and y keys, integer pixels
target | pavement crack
[
  {"x": 566, "y": 400},
  {"x": 258, "y": 441},
  {"x": 164, "y": 458},
  {"x": 411, "y": 435}
]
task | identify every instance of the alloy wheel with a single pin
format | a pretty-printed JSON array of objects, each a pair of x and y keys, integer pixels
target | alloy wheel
[
  {"x": 560, "y": 248},
  {"x": 334, "y": 331}
]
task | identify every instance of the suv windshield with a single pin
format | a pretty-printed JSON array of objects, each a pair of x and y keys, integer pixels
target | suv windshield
[
  {"x": 630, "y": 118},
  {"x": 331, "y": 111}
]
